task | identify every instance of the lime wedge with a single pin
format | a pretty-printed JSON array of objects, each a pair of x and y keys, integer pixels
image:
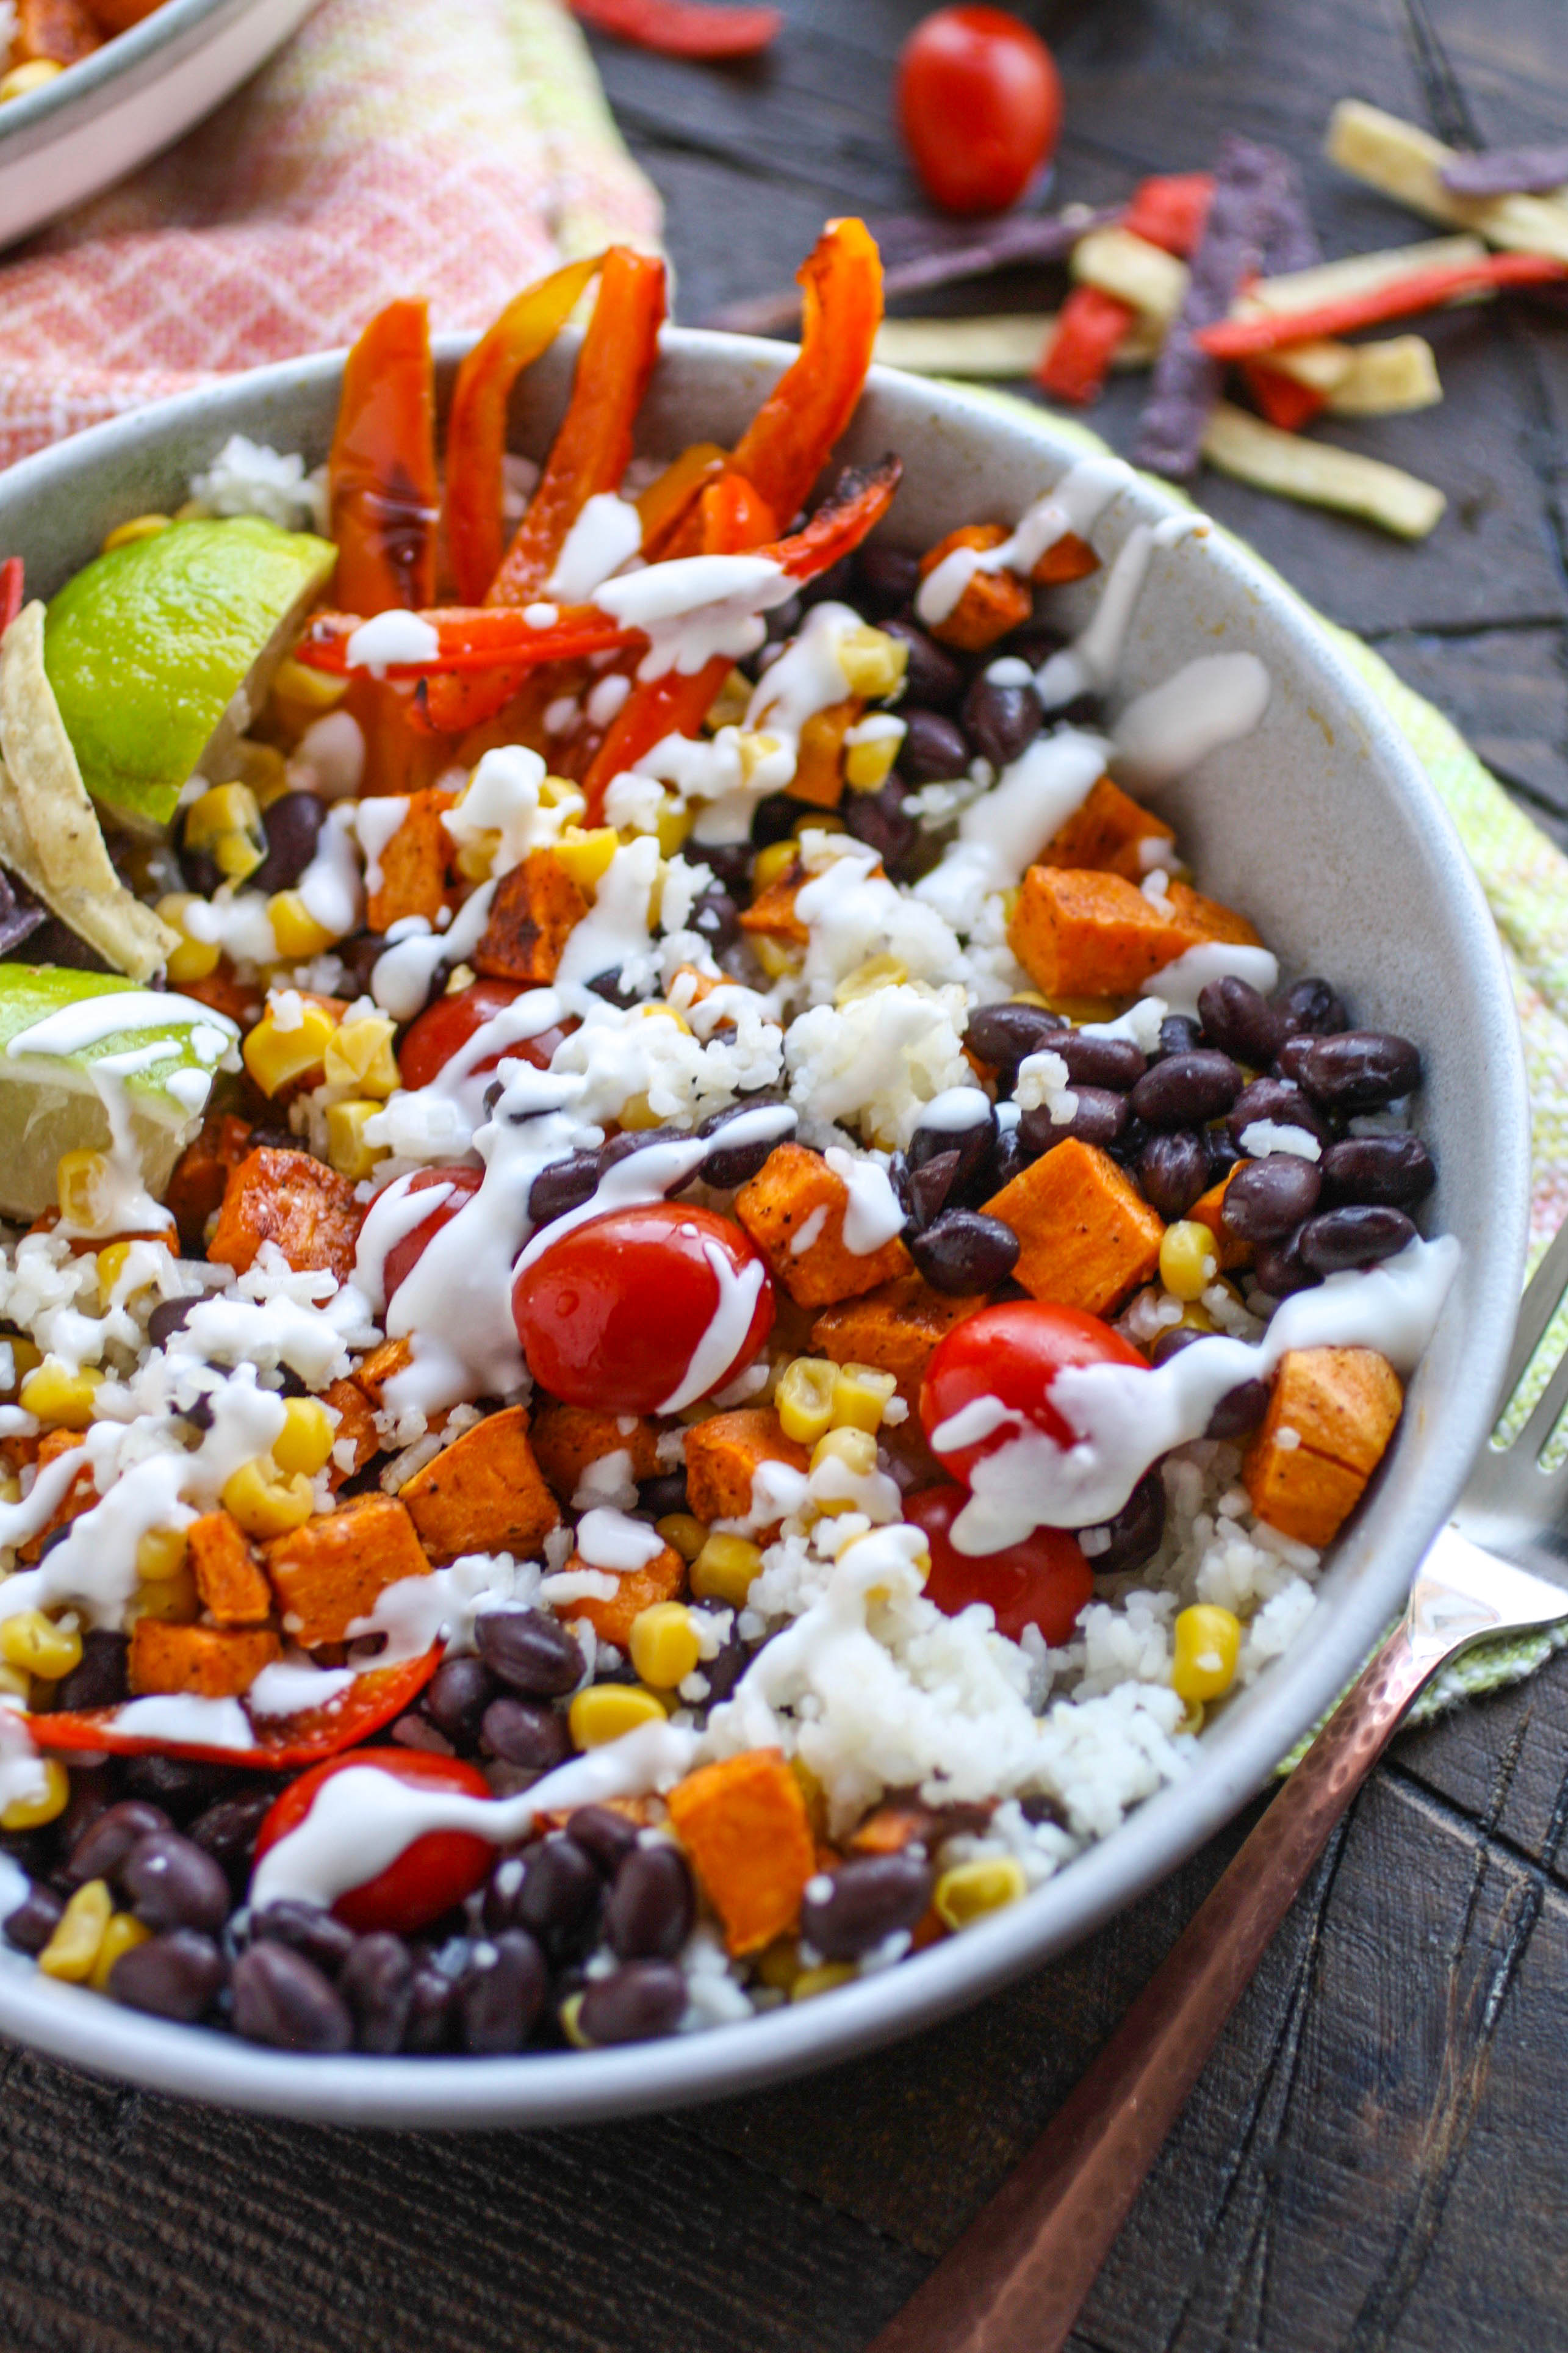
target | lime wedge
[
  {"x": 160, "y": 652},
  {"x": 75, "y": 1045}
]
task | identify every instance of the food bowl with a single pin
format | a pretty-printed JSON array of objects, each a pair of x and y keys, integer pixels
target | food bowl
[{"x": 1322, "y": 825}]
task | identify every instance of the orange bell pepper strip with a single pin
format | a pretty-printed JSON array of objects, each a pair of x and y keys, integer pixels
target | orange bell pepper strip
[
  {"x": 593, "y": 444},
  {"x": 474, "y": 637},
  {"x": 1398, "y": 297},
  {"x": 1077, "y": 361},
  {"x": 669, "y": 499},
  {"x": 381, "y": 473},
  {"x": 786, "y": 445},
  {"x": 475, "y": 429}
]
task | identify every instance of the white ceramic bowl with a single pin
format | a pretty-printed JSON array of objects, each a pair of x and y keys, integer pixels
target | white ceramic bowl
[
  {"x": 129, "y": 101},
  {"x": 1322, "y": 825}
]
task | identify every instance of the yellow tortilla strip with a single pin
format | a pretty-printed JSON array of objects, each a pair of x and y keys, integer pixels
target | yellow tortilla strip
[{"x": 49, "y": 833}]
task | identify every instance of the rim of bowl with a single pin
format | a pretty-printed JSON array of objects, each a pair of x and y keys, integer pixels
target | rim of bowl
[
  {"x": 112, "y": 72},
  {"x": 1240, "y": 1754}
]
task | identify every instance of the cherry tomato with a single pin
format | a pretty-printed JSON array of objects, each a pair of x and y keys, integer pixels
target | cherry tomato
[
  {"x": 405, "y": 1255},
  {"x": 614, "y": 1313},
  {"x": 1013, "y": 1353},
  {"x": 1044, "y": 1581},
  {"x": 437, "y": 1034},
  {"x": 432, "y": 1875},
  {"x": 980, "y": 105}
]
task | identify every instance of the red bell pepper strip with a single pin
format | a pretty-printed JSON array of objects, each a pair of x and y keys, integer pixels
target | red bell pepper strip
[
  {"x": 10, "y": 591},
  {"x": 786, "y": 445},
  {"x": 475, "y": 638},
  {"x": 1170, "y": 210},
  {"x": 682, "y": 28},
  {"x": 381, "y": 474},
  {"x": 1280, "y": 398},
  {"x": 283, "y": 1744},
  {"x": 1423, "y": 289},
  {"x": 1078, "y": 359},
  {"x": 475, "y": 429}
]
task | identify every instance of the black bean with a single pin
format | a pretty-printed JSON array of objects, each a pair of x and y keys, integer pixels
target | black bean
[
  {"x": 430, "y": 2000},
  {"x": 886, "y": 579},
  {"x": 933, "y": 750},
  {"x": 100, "y": 1680},
  {"x": 1264, "y": 1200},
  {"x": 172, "y": 1882},
  {"x": 724, "y": 1671},
  {"x": 867, "y": 1899},
  {"x": 608, "y": 1836},
  {"x": 101, "y": 1851},
  {"x": 614, "y": 989},
  {"x": 281, "y": 1998},
  {"x": 1361, "y": 1069},
  {"x": 929, "y": 1186},
  {"x": 1281, "y": 1104},
  {"x": 773, "y": 820},
  {"x": 307, "y": 1929},
  {"x": 832, "y": 587},
  {"x": 730, "y": 862},
  {"x": 500, "y": 1993},
  {"x": 227, "y": 1831},
  {"x": 1239, "y": 1410},
  {"x": 1011, "y": 1157},
  {"x": 180, "y": 1977},
  {"x": 638, "y": 1139},
  {"x": 1174, "y": 1172},
  {"x": 664, "y": 1495},
  {"x": 964, "y": 1251},
  {"x": 1100, "y": 1117},
  {"x": 93, "y": 1788},
  {"x": 362, "y": 953},
  {"x": 1279, "y": 1269},
  {"x": 291, "y": 824},
  {"x": 1341, "y": 1239},
  {"x": 972, "y": 1145},
  {"x": 1179, "y": 1034},
  {"x": 528, "y": 1651},
  {"x": 933, "y": 681},
  {"x": 880, "y": 821},
  {"x": 34, "y": 1921},
  {"x": 716, "y": 918},
  {"x": 1005, "y": 1034},
  {"x": 563, "y": 1185},
  {"x": 1291, "y": 1060},
  {"x": 1114, "y": 1062},
  {"x": 525, "y": 1733},
  {"x": 1001, "y": 722},
  {"x": 1239, "y": 1020},
  {"x": 785, "y": 619},
  {"x": 640, "y": 2000},
  {"x": 1186, "y": 1089},
  {"x": 168, "y": 1316},
  {"x": 1223, "y": 1151},
  {"x": 1130, "y": 1146},
  {"x": 650, "y": 1907},
  {"x": 456, "y": 1698},
  {"x": 1135, "y": 1532},
  {"x": 736, "y": 1163},
  {"x": 553, "y": 1891},
  {"x": 377, "y": 1982},
  {"x": 1395, "y": 1170},
  {"x": 1310, "y": 1007},
  {"x": 180, "y": 1786}
]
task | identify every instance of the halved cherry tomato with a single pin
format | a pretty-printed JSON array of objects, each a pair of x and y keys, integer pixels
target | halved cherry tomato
[
  {"x": 1013, "y": 1353},
  {"x": 1044, "y": 1581},
  {"x": 405, "y": 1255},
  {"x": 432, "y": 1875},
  {"x": 437, "y": 1034},
  {"x": 980, "y": 105},
  {"x": 614, "y": 1313}
]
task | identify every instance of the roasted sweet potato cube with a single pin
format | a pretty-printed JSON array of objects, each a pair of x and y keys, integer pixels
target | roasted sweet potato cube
[
  {"x": 484, "y": 1492},
  {"x": 213, "y": 1662},
  {"x": 1210, "y": 918},
  {"x": 371, "y": 1373},
  {"x": 356, "y": 1428},
  {"x": 413, "y": 865},
  {"x": 1081, "y": 933},
  {"x": 536, "y": 908},
  {"x": 895, "y": 1329},
  {"x": 1331, "y": 1413},
  {"x": 992, "y": 603},
  {"x": 793, "y": 1210},
  {"x": 1230, "y": 1250},
  {"x": 329, "y": 1572},
  {"x": 63, "y": 31},
  {"x": 79, "y": 1496},
  {"x": 1067, "y": 558},
  {"x": 772, "y": 909},
  {"x": 723, "y": 1455},
  {"x": 201, "y": 1171},
  {"x": 636, "y": 1589},
  {"x": 1087, "y": 1236},
  {"x": 294, "y": 1200},
  {"x": 566, "y": 1439},
  {"x": 1107, "y": 832},
  {"x": 743, "y": 1823},
  {"x": 228, "y": 1577},
  {"x": 818, "y": 776}
]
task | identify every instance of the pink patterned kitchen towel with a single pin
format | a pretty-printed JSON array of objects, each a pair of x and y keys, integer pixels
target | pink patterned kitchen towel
[{"x": 395, "y": 147}]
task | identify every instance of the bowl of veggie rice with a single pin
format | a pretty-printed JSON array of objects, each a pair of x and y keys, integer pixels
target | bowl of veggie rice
[{"x": 764, "y": 1171}]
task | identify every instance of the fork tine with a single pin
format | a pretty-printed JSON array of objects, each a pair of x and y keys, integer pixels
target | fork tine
[
  {"x": 1544, "y": 1414},
  {"x": 1540, "y": 1304}
]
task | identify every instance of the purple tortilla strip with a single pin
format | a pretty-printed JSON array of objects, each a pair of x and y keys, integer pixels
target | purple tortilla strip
[
  {"x": 1507, "y": 172},
  {"x": 20, "y": 916},
  {"x": 1292, "y": 241},
  {"x": 1248, "y": 180}
]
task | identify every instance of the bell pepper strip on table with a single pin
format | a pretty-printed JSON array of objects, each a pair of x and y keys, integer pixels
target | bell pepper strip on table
[
  {"x": 1168, "y": 211},
  {"x": 381, "y": 474},
  {"x": 1280, "y": 398},
  {"x": 475, "y": 429},
  {"x": 1398, "y": 297},
  {"x": 786, "y": 445},
  {"x": 474, "y": 637},
  {"x": 10, "y": 591},
  {"x": 682, "y": 28},
  {"x": 283, "y": 1744}
]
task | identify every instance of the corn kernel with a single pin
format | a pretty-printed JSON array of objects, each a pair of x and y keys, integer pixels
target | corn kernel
[
  {"x": 310, "y": 691},
  {"x": 868, "y": 764},
  {"x": 45, "y": 1805},
  {"x": 970, "y": 1890},
  {"x": 725, "y": 1569},
  {"x": 359, "y": 1055},
  {"x": 122, "y": 1932},
  {"x": 663, "y": 1645},
  {"x": 38, "y": 1647},
  {"x": 14, "y": 1684},
  {"x": 347, "y": 1149},
  {"x": 731, "y": 703},
  {"x": 855, "y": 1451},
  {"x": 461, "y": 976},
  {"x": 674, "y": 826},
  {"x": 1191, "y": 1719},
  {"x": 861, "y": 1395},
  {"x": 821, "y": 1979},
  {"x": 754, "y": 746},
  {"x": 873, "y": 663},
  {"x": 193, "y": 959},
  {"x": 223, "y": 808},
  {"x": 264, "y": 769},
  {"x": 803, "y": 1398},
  {"x": 685, "y": 1535},
  {"x": 655, "y": 1008},
  {"x": 568, "y": 2015},
  {"x": 1187, "y": 1261},
  {"x": 779, "y": 958},
  {"x": 84, "y": 1187},
  {"x": 61, "y": 1400},
  {"x": 79, "y": 1932},
  {"x": 172, "y": 1600},
  {"x": 772, "y": 864},
  {"x": 25, "y": 1359},
  {"x": 605, "y": 1712},
  {"x": 560, "y": 792},
  {"x": 295, "y": 931},
  {"x": 31, "y": 76},
  {"x": 1206, "y": 1642},
  {"x": 778, "y": 1964},
  {"x": 142, "y": 526},
  {"x": 817, "y": 820},
  {"x": 160, "y": 1554},
  {"x": 264, "y": 1501},
  {"x": 475, "y": 857},
  {"x": 1079, "y": 1009},
  {"x": 274, "y": 1057},
  {"x": 877, "y": 972},
  {"x": 586, "y": 856},
  {"x": 306, "y": 1438},
  {"x": 1195, "y": 1317},
  {"x": 637, "y": 1111},
  {"x": 111, "y": 1264}
]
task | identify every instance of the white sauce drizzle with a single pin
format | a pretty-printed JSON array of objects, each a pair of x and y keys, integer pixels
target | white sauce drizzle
[
  {"x": 391, "y": 637},
  {"x": 1216, "y": 700},
  {"x": 607, "y": 531},
  {"x": 872, "y": 1215},
  {"x": 1074, "y": 505}
]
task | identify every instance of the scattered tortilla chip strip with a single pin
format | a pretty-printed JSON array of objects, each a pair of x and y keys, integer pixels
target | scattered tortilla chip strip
[
  {"x": 1358, "y": 273},
  {"x": 49, "y": 833},
  {"x": 1507, "y": 172},
  {"x": 1320, "y": 364},
  {"x": 1320, "y": 475},
  {"x": 1145, "y": 276},
  {"x": 1292, "y": 241},
  {"x": 1398, "y": 297},
  {"x": 1408, "y": 164},
  {"x": 1007, "y": 344},
  {"x": 1388, "y": 379},
  {"x": 19, "y": 917}
]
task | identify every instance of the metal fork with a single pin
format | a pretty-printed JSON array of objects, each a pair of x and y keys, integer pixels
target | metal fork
[{"x": 1016, "y": 2279}]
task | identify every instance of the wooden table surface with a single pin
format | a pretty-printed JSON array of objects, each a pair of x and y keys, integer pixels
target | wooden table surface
[{"x": 1376, "y": 2159}]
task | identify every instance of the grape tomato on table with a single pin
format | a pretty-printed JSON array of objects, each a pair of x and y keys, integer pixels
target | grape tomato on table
[
  {"x": 434, "y": 1872},
  {"x": 979, "y": 106}
]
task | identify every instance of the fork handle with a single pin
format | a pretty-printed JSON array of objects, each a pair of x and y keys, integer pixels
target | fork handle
[{"x": 1015, "y": 2280}]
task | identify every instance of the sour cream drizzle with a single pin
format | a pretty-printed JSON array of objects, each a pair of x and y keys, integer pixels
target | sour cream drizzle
[{"x": 1074, "y": 506}]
